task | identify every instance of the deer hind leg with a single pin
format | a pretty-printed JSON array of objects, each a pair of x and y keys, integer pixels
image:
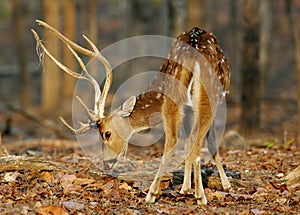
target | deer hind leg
[
  {"x": 213, "y": 150},
  {"x": 172, "y": 120},
  {"x": 203, "y": 115}
]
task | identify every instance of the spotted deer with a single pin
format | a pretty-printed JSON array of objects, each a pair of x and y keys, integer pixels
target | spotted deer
[{"x": 186, "y": 81}]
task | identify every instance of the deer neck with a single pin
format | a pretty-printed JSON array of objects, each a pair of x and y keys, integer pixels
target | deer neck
[{"x": 147, "y": 111}]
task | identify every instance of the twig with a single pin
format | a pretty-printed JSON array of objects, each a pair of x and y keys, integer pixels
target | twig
[
  {"x": 22, "y": 163},
  {"x": 45, "y": 123},
  {"x": 293, "y": 177}
]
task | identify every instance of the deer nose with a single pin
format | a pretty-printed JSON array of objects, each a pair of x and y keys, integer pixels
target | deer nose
[{"x": 109, "y": 164}]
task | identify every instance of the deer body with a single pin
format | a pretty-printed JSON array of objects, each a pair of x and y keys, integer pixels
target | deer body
[{"x": 167, "y": 95}]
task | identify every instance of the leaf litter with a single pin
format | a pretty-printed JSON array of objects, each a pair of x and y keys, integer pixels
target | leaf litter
[{"x": 60, "y": 182}]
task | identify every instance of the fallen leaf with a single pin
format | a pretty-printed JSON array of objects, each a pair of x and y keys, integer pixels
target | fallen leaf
[
  {"x": 51, "y": 210},
  {"x": 67, "y": 183},
  {"x": 11, "y": 176},
  {"x": 83, "y": 181},
  {"x": 281, "y": 208},
  {"x": 25, "y": 210},
  {"x": 67, "y": 179},
  {"x": 164, "y": 184},
  {"x": 73, "y": 205},
  {"x": 268, "y": 165},
  {"x": 257, "y": 211},
  {"x": 214, "y": 195},
  {"x": 295, "y": 200},
  {"x": 279, "y": 175},
  {"x": 107, "y": 187},
  {"x": 94, "y": 187},
  {"x": 125, "y": 186},
  {"x": 142, "y": 185},
  {"x": 260, "y": 190},
  {"x": 275, "y": 186},
  {"x": 47, "y": 176}
]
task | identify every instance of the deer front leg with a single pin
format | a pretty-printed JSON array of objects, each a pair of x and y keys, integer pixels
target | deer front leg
[
  {"x": 187, "y": 176},
  {"x": 172, "y": 120},
  {"x": 199, "y": 191},
  {"x": 154, "y": 188},
  {"x": 188, "y": 162},
  {"x": 193, "y": 158}
]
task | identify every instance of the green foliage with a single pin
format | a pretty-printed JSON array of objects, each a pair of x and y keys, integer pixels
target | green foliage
[
  {"x": 289, "y": 142},
  {"x": 276, "y": 143},
  {"x": 270, "y": 144}
]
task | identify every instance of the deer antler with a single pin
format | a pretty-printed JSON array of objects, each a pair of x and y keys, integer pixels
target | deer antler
[{"x": 98, "y": 113}]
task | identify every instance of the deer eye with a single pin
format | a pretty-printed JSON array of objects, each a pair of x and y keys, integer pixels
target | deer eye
[{"x": 107, "y": 135}]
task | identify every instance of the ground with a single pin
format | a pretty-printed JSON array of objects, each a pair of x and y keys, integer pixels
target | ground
[{"x": 55, "y": 177}]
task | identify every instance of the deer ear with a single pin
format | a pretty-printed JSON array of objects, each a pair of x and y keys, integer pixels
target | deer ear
[{"x": 128, "y": 107}]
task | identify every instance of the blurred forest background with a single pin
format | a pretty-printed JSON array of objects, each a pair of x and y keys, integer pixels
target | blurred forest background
[{"x": 259, "y": 37}]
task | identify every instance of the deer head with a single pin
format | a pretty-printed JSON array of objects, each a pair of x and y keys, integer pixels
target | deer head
[{"x": 114, "y": 140}]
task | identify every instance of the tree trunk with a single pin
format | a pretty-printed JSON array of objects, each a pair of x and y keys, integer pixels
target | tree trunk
[
  {"x": 93, "y": 20},
  {"x": 93, "y": 31},
  {"x": 141, "y": 18},
  {"x": 264, "y": 43},
  {"x": 295, "y": 32},
  {"x": 51, "y": 91},
  {"x": 19, "y": 32},
  {"x": 249, "y": 67},
  {"x": 178, "y": 16},
  {"x": 69, "y": 60},
  {"x": 235, "y": 41}
]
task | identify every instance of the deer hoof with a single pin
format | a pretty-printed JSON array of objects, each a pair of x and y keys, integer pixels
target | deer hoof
[
  {"x": 150, "y": 198},
  {"x": 202, "y": 201},
  {"x": 228, "y": 189},
  {"x": 185, "y": 188}
]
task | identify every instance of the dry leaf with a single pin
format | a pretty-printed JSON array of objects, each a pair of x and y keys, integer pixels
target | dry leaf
[
  {"x": 164, "y": 184},
  {"x": 11, "y": 176},
  {"x": 67, "y": 183},
  {"x": 274, "y": 185},
  {"x": 51, "y": 210},
  {"x": 83, "y": 181},
  {"x": 258, "y": 211},
  {"x": 73, "y": 205},
  {"x": 125, "y": 186},
  {"x": 47, "y": 176},
  {"x": 107, "y": 187}
]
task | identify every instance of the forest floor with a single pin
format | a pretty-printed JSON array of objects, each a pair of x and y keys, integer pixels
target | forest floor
[{"x": 55, "y": 177}]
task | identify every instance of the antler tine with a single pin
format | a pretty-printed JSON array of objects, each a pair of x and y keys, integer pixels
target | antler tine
[
  {"x": 89, "y": 113},
  {"x": 87, "y": 76},
  {"x": 66, "y": 40},
  {"x": 100, "y": 100},
  {"x": 93, "y": 82},
  {"x": 63, "y": 67},
  {"x": 84, "y": 127}
]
